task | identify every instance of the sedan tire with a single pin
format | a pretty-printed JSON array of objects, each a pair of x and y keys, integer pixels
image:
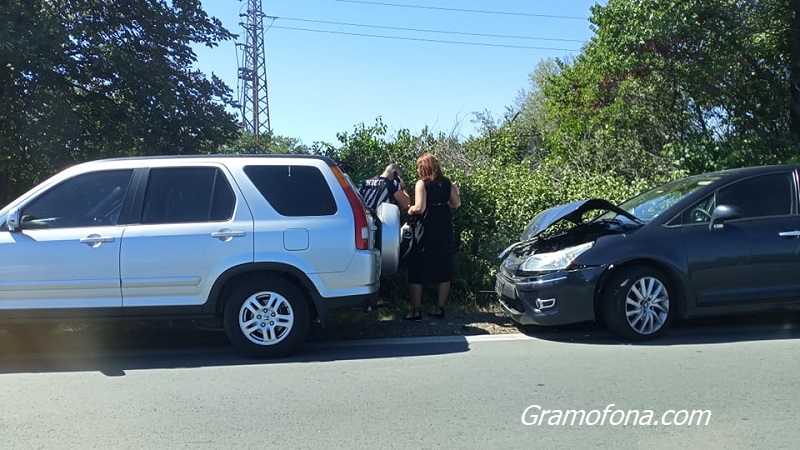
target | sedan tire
[
  {"x": 267, "y": 317},
  {"x": 638, "y": 304}
]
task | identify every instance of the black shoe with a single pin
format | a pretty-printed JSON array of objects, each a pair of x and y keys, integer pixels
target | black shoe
[
  {"x": 415, "y": 315},
  {"x": 438, "y": 313}
]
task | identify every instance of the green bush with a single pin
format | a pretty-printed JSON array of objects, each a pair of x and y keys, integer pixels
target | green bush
[
  {"x": 498, "y": 201},
  {"x": 500, "y": 193}
]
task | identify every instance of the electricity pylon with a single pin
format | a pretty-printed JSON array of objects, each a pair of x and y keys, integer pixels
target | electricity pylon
[{"x": 253, "y": 72}]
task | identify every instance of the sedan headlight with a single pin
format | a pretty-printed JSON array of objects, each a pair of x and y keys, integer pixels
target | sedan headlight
[{"x": 554, "y": 261}]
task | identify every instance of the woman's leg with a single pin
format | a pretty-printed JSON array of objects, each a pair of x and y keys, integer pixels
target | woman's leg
[
  {"x": 444, "y": 293},
  {"x": 415, "y": 298},
  {"x": 415, "y": 294}
]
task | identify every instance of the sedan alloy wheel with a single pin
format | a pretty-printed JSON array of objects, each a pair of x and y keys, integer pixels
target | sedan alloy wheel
[
  {"x": 636, "y": 303},
  {"x": 647, "y": 305}
]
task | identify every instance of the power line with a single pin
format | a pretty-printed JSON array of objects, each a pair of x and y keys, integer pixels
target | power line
[
  {"x": 485, "y": 44},
  {"x": 478, "y": 11},
  {"x": 421, "y": 30}
]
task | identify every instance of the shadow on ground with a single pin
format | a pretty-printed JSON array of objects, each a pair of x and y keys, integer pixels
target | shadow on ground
[
  {"x": 113, "y": 348},
  {"x": 717, "y": 330}
]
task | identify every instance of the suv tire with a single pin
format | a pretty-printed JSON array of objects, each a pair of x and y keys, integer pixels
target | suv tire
[{"x": 267, "y": 317}]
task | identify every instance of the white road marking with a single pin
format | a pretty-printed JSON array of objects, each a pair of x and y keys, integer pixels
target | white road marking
[{"x": 427, "y": 340}]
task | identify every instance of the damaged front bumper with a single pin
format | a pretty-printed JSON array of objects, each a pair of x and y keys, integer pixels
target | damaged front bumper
[{"x": 555, "y": 298}]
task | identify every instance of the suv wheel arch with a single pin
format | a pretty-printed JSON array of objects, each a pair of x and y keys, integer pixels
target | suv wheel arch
[{"x": 235, "y": 276}]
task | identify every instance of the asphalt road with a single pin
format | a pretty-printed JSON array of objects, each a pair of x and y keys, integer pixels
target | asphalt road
[{"x": 447, "y": 392}]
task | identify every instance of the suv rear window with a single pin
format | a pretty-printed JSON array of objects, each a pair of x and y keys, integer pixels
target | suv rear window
[{"x": 293, "y": 190}]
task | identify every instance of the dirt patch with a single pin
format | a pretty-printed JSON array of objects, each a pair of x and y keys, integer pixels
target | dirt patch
[{"x": 385, "y": 321}]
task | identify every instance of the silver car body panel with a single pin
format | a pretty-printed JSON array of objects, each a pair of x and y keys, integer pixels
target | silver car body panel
[{"x": 177, "y": 264}]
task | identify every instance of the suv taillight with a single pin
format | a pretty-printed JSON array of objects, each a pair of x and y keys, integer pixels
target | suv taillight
[{"x": 357, "y": 206}]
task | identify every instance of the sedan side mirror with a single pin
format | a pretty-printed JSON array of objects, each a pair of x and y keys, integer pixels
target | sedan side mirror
[{"x": 721, "y": 214}]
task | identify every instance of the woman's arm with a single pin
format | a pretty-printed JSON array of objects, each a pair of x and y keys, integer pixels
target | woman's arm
[
  {"x": 455, "y": 196},
  {"x": 401, "y": 196},
  {"x": 420, "y": 199}
]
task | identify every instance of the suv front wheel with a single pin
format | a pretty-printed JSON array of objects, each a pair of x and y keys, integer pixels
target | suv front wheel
[{"x": 267, "y": 317}]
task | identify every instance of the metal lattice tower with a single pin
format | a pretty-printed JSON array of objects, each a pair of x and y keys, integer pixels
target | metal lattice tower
[{"x": 253, "y": 72}]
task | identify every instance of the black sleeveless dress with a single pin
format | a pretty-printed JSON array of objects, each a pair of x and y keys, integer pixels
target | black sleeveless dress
[{"x": 433, "y": 262}]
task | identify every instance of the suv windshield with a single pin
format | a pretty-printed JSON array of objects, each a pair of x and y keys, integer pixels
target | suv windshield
[{"x": 649, "y": 205}]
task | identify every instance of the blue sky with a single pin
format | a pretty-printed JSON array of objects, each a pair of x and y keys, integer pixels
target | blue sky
[{"x": 321, "y": 83}]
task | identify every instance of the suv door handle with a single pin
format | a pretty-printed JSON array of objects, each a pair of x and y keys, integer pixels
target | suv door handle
[
  {"x": 94, "y": 240},
  {"x": 793, "y": 234},
  {"x": 226, "y": 234}
]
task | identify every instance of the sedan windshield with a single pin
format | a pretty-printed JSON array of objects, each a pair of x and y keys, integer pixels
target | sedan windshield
[{"x": 648, "y": 205}]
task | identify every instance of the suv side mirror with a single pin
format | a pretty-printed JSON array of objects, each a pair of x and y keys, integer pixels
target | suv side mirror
[
  {"x": 12, "y": 221},
  {"x": 721, "y": 214}
]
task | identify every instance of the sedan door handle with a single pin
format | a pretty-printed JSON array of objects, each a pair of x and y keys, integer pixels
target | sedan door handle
[
  {"x": 793, "y": 234},
  {"x": 226, "y": 234}
]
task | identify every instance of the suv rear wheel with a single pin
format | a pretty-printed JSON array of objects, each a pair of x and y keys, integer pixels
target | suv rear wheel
[{"x": 267, "y": 317}]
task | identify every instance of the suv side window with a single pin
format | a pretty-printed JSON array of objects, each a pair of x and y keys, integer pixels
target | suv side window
[
  {"x": 187, "y": 194},
  {"x": 762, "y": 196},
  {"x": 294, "y": 190},
  {"x": 89, "y": 199}
]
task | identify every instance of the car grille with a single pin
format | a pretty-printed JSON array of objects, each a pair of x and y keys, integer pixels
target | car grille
[{"x": 513, "y": 303}]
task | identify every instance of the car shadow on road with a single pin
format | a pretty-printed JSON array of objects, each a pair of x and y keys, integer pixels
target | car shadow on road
[
  {"x": 717, "y": 330},
  {"x": 115, "y": 350}
]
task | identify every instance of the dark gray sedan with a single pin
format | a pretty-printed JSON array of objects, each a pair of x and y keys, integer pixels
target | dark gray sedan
[{"x": 719, "y": 243}]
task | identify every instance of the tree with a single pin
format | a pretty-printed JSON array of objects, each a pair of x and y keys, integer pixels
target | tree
[
  {"x": 733, "y": 65},
  {"x": 665, "y": 88},
  {"x": 83, "y": 79},
  {"x": 247, "y": 143}
]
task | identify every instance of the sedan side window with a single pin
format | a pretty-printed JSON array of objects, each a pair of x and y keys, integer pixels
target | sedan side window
[
  {"x": 761, "y": 196},
  {"x": 700, "y": 212},
  {"x": 187, "y": 194}
]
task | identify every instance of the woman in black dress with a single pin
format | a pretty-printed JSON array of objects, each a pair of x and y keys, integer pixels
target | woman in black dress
[{"x": 432, "y": 263}]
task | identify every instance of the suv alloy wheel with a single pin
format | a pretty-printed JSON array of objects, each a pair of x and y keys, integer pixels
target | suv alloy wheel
[{"x": 267, "y": 317}]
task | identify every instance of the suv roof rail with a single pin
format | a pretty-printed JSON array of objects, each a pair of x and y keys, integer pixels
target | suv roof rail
[{"x": 330, "y": 161}]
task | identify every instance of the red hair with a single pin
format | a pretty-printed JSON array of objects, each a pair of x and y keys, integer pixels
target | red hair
[{"x": 428, "y": 168}]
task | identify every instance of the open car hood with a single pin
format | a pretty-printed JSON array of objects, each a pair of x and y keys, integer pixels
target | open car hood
[{"x": 572, "y": 212}]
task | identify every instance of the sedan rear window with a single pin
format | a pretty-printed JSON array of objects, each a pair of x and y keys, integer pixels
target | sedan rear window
[{"x": 761, "y": 196}]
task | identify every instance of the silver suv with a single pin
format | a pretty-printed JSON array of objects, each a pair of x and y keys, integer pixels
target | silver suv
[{"x": 265, "y": 243}]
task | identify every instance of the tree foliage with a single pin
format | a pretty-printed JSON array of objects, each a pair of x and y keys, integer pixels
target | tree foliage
[
  {"x": 249, "y": 144},
  {"x": 367, "y": 150},
  {"x": 689, "y": 86},
  {"x": 82, "y": 79}
]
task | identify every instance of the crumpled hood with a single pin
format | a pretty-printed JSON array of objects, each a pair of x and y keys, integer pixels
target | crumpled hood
[{"x": 571, "y": 212}]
